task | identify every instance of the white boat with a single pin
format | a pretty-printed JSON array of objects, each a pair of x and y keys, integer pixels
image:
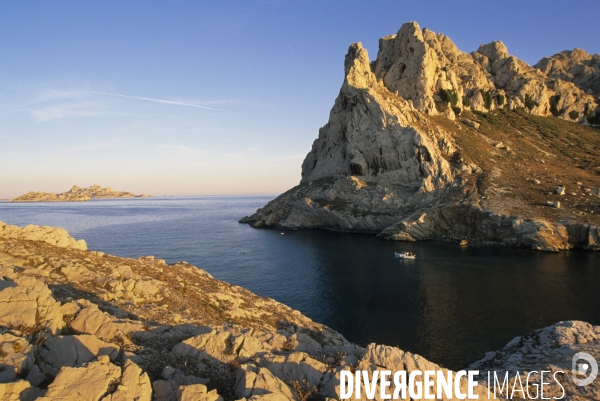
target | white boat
[{"x": 405, "y": 255}]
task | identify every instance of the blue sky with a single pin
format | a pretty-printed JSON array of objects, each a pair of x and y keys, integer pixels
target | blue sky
[{"x": 211, "y": 97}]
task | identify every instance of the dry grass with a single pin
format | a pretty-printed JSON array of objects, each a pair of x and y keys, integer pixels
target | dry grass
[
  {"x": 185, "y": 289},
  {"x": 305, "y": 392},
  {"x": 554, "y": 151},
  {"x": 288, "y": 345}
]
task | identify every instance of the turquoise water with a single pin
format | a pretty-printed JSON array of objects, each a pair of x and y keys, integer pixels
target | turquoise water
[{"x": 451, "y": 305}]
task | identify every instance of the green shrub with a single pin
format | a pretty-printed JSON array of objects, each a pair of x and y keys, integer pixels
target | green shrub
[
  {"x": 445, "y": 95},
  {"x": 457, "y": 110},
  {"x": 449, "y": 96},
  {"x": 574, "y": 115},
  {"x": 500, "y": 99},
  {"x": 554, "y": 105},
  {"x": 529, "y": 102},
  {"x": 593, "y": 118},
  {"x": 487, "y": 99},
  {"x": 466, "y": 102}
]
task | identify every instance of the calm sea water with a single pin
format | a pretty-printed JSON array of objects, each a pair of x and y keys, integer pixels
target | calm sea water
[{"x": 451, "y": 305}]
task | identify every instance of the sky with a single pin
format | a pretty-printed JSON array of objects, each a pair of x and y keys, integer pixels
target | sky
[{"x": 212, "y": 97}]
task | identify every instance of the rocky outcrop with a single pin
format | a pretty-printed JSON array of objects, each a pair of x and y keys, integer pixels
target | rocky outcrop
[
  {"x": 91, "y": 381},
  {"x": 67, "y": 339},
  {"x": 576, "y": 66},
  {"x": 134, "y": 385},
  {"x": 54, "y": 236},
  {"x": 28, "y": 303},
  {"x": 17, "y": 357},
  {"x": 550, "y": 349},
  {"x": 77, "y": 194},
  {"x": 474, "y": 225},
  {"x": 419, "y": 64},
  {"x": 392, "y": 161}
]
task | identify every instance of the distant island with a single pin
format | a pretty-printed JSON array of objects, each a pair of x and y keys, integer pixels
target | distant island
[{"x": 77, "y": 194}]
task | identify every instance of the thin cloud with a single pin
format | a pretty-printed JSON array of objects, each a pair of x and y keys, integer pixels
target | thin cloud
[
  {"x": 250, "y": 149},
  {"x": 81, "y": 109},
  {"x": 149, "y": 99}
]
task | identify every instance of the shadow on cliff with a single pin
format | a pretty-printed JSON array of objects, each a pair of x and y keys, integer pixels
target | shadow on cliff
[{"x": 66, "y": 293}]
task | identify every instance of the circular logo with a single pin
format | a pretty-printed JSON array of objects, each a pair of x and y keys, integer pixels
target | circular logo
[{"x": 581, "y": 368}]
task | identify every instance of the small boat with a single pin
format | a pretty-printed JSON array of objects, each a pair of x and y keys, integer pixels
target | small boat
[{"x": 405, "y": 255}]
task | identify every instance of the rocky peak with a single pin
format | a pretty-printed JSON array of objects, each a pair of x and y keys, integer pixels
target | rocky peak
[
  {"x": 577, "y": 66},
  {"x": 368, "y": 132},
  {"x": 404, "y": 65},
  {"x": 420, "y": 65},
  {"x": 356, "y": 67},
  {"x": 494, "y": 51}
]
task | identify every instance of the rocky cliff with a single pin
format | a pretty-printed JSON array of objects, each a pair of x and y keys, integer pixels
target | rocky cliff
[
  {"x": 428, "y": 142},
  {"x": 83, "y": 325},
  {"x": 76, "y": 194},
  {"x": 575, "y": 66}
]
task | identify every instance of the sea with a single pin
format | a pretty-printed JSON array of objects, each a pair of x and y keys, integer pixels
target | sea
[{"x": 451, "y": 304}]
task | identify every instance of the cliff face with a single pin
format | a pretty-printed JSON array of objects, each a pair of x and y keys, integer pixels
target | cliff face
[
  {"x": 417, "y": 64},
  {"x": 575, "y": 66},
  {"x": 426, "y": 133},
  {"x": 83, "y": 325},
  {"x": 76, "y": 194}
]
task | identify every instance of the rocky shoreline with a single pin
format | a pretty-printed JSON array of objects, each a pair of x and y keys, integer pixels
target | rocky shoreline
[
  {"x": 77, "y": 324},
  {"x": 77, "y": 194}
]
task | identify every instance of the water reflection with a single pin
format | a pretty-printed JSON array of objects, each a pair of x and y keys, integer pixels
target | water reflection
[{"x": 451, "y": 304}]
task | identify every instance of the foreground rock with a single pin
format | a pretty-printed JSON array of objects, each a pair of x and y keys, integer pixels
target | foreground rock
[
  {"x": 82, "y": 325},
  {"x": 394, "y": 161},
  {"x": 76, "y": 194},
  {"x": 54, "y": 236},
  {"x": 550, "y": 349}
]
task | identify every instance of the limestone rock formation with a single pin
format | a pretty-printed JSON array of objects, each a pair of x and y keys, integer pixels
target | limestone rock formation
[
  {"x": 134, "y": 385},
  {"x": 28, "y": 303},
  {"x": 87, "y": 383},
  {"x": 418, "y": 64},
  {"x": 66, "y": 339},
  {"x": 16, "y": 357},
  {"x": 77, "y": 194},
  {"x": 393, "y": 161},
  {"x": 550, "y": 349},
  {"x": 197, "y": 392},
  {"x": 577, "y": 66},
  {"x": 50, "y": 235}
]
